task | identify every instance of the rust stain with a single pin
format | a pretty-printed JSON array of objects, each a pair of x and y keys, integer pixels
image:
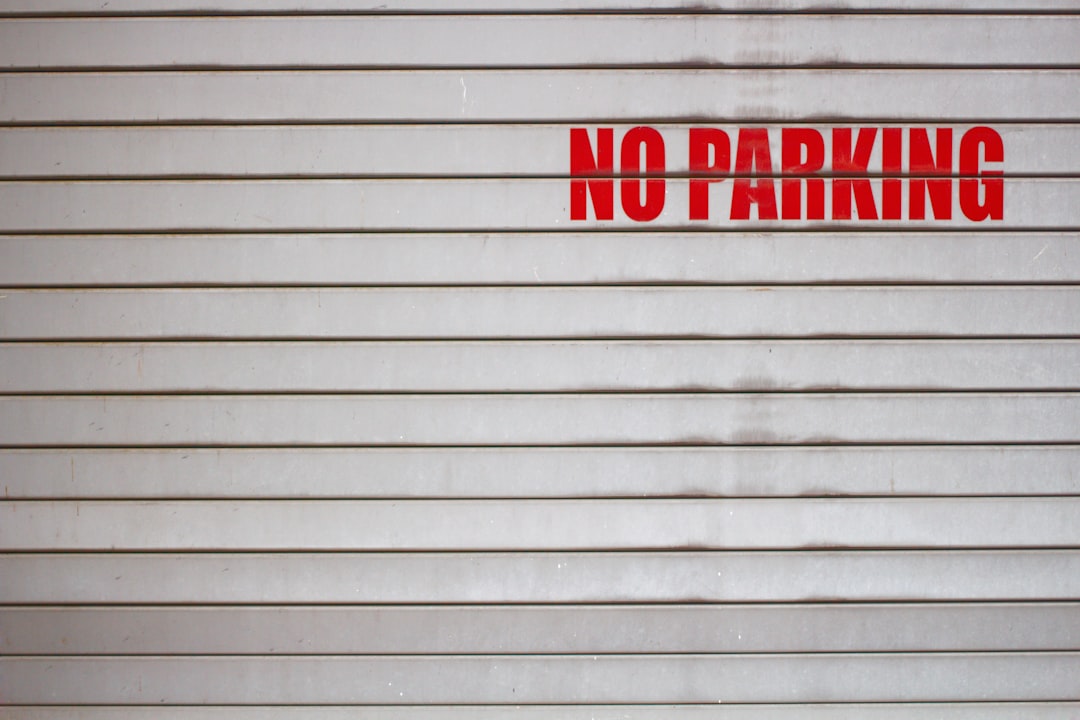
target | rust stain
[
  {"x": 756, "y": 382},
  {"x": 756, "y": 436}
]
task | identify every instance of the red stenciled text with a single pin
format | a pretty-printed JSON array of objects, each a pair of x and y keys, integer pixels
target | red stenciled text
[{"x": 794, "y": 173}]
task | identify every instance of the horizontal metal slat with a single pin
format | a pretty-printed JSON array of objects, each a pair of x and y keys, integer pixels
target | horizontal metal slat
[
  {"x": 517, "y": 313},
  {"x": 394, "y": 420},
  {"x": 544, "y": 41},
  {"x": 423, "y": 525},
  {"x": 762, "y": 711},
  {"x": 450, "y": 205},
  {"x": 136, "y": 7},
  {"x": 536, "y": 96},
  {"x": 546, "y": 258},
  {"x": 536, "y": 629},
  {"x": 548, "y": 679},
  {"x": 759, "y": 711},
  {"x": 488, "y": 578},
  {"x": 534, "y": 366},
  {"x": 541, "y": 472},
  {"x": 455, "y": 150}
]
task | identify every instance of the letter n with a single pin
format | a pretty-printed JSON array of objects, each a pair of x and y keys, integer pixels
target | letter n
[
  {"x": 923, "y": 162},
  {"x": 599, "y": 167}
]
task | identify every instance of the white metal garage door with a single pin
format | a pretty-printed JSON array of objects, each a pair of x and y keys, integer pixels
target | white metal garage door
[{"x": 343, "y": 376}]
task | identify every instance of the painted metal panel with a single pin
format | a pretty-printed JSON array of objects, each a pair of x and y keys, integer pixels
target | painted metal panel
[
  {"x": 536, "y": 96},
  {"x": 542, "y": 258},
  {"x": 554, "y": 312},
  {"x": 544, "y": 41},
  {"x": 436, "y": 205},
  {"x": 588, "y": 629},
  {"x": 553, "y": 678},
  {"x": 454, "y": 150},
  {"x": 720, "y": 711},
  {"x": 136, "y": 7},
  {"x": 1005, "y": 470},
  {"x": 439, "y": 205},
  {"x": 422, "y": 525},
  {"x": 539, "y": 366},
  {"x": 486, "y": 578},
  {"x": 405, "y": 420}
]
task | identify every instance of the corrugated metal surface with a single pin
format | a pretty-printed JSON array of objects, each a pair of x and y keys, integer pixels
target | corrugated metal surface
[
  {"x": 751, "y": 95},
  {"x": 316, "y": 403}
]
